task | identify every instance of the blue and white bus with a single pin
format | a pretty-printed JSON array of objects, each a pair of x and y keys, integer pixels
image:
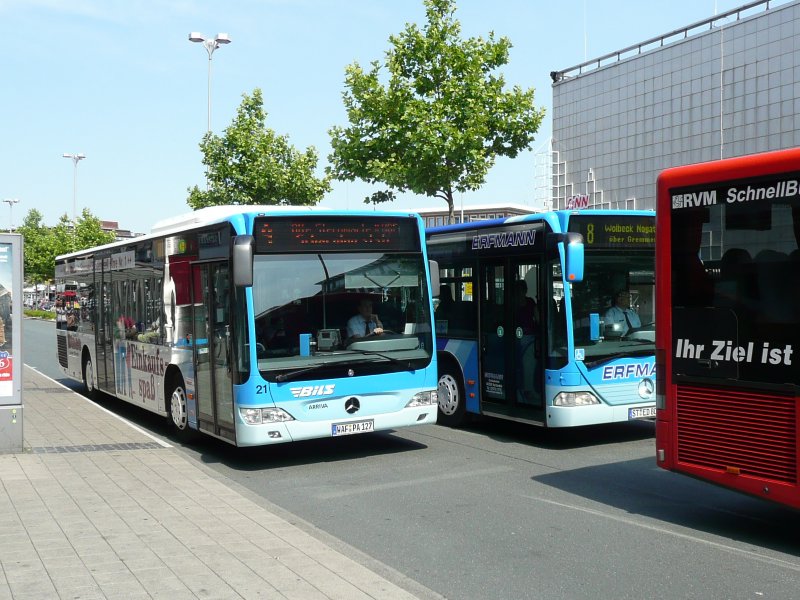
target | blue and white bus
[
  {"x": 233, "y": 321},
  {"x": 524, "y": 320}
]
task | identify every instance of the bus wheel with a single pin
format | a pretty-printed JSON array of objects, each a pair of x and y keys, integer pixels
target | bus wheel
[
  {"x": 178, "y": 409},
  {"x": 88, "y": 376},
  {"x": 452, "y": 408}
]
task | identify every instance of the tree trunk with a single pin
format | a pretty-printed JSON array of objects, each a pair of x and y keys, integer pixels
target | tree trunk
[{"x": 450, "y": 213}]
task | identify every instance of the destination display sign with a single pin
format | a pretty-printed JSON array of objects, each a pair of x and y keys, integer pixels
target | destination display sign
[
  {"x": 776, "y": 187},
  {"x": 336, "y": 234},
  {"x": 489, "y": 240},
  {"x": 615, "y": 231}
]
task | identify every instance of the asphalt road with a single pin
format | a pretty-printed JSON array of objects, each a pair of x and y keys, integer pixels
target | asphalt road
[{"x": 502, "y": 510}]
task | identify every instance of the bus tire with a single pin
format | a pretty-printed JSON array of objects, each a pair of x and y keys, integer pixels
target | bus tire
[
  {"x": 452, "y": 402},
  {"x": 88, "y": 376},
  {"x": 178, "y": 409}
]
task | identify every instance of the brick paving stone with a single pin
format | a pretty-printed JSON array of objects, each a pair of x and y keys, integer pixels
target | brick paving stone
[{"x": 94, "y": 508}]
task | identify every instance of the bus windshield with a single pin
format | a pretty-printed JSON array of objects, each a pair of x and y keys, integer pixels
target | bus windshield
[
  {"x": 735, "y": 288},
  {"x": 338, "y": 314},
  {"x": 616, "y": 294}
]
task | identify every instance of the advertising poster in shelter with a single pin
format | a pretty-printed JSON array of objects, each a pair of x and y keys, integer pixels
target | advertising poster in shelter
[{"x": 6, "y": 326}]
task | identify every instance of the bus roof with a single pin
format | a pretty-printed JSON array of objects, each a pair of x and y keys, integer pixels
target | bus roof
[
  {"x": 219, "y": 214},
  {"x": 553, "y": 217},
  {"x": 728, "y": 169},
  {"x": 216, "y": 214}
]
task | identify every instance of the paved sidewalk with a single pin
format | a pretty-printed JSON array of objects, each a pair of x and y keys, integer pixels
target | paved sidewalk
[{"x": 94, "y": 508}]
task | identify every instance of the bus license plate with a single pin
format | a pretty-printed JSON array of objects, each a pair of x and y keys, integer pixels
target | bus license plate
[
  {"x": 352, "y": 427},
  {"x": 645, "y": 412}
]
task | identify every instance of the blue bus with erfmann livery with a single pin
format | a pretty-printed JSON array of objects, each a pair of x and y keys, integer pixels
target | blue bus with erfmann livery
[
  {"x": 547, "y": 318},
  {"x": 238, "y": 322}
]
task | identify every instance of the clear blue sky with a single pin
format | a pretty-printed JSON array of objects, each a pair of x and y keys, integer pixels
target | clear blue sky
[{"x": 119, "y": 81}]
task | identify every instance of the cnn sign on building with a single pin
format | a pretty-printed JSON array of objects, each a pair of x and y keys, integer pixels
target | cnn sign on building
[{"x": 578, "y": 201}]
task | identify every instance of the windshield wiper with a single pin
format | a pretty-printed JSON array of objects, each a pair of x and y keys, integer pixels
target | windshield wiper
[
  {"x": 403, "y": 363},
  {"x": 406, "y": 364},
  {"x": 637, "y": 341},
  {"x": 608, "y": 358},
  {"x": 292, "y": 374}
]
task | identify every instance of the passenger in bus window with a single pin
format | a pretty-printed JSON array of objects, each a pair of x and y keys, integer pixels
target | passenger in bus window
[
  {"x": 735, "y": 287},
  {"x": 527, "y": 309},
  {"x": 620, "y": 317},
  {"x": 527, "y": 329},
  {"x": 72, "y": 322},
  {"x": 276, "y": 333},
  {"x": 61, "y": 316},
  {"x": 445, "y": 304},
  {"x": 691, "y": 284}
]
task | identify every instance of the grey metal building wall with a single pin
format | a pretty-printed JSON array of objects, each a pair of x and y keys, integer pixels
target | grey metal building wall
[{"x": 725, "y": 88}]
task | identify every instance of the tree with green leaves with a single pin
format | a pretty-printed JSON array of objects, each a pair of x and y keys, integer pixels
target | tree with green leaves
[
  {"x": 251, "y": 164},
  {"x": 441, "y": 120},
  {"x": 39, "y": 259},
  {"x": 88, "y": 232},
  {"x": 43, "y": 244}
]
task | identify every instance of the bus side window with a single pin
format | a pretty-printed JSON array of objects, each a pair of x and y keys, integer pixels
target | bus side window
[
  {"x": 464, "y": 319},
  {"x": 774, "y": 287}
]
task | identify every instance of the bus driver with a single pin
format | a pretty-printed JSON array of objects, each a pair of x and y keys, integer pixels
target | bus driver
[
  {"x": 364, "y": 323},
  {"x": 621, "y": 315}
]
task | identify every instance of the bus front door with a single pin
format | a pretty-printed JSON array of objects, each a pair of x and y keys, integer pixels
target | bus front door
[
  {"x": 511, "y": 336},
  {"x": 212, "y": 349},
  {"x": 495, "y": 388},
  {"x": 107, "y": 360}
]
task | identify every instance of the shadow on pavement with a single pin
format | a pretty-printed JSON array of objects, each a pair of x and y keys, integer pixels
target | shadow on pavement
[
  {"x": 213, "y": 451},
  {"x": 504, "y": 431},
  {"x": 639, "y": 487},
  {"x": 303, "y": 452}
]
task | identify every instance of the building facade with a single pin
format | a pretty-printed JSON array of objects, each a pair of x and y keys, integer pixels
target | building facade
[
  {"x": 724, "y": 87},
  {"x": 435, "y": 217}
]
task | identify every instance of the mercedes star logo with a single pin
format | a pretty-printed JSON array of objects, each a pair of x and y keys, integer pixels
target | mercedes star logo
[
  {"x": 646, "y": 388},
  {"x": 352, "y": 405}
]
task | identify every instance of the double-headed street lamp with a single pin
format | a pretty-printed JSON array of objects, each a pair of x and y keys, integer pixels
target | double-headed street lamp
[
  {"x": 76, "y": 158},
  {"x": 11, "y": 202},
  {"x": 210, "y": 45}
]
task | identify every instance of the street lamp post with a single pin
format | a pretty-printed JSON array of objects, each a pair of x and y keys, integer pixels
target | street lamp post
[
  {"x": 76, "y": 158},
  {"x": 210, "y": 45},
  {"x": 11, "y": 202}
]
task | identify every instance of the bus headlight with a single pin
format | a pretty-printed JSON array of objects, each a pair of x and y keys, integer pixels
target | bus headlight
[
  {"x": 424, "y": 399},
  {"x": 575, "y": 399},
  {"x": 258, "y": 416}
]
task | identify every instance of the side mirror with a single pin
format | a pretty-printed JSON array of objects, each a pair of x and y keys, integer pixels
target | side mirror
[
  {"x": 242, "y": 255},
  {"x": 573, "y": 253},
  {"x": 573, "y": 247},
  {"x": 433, "y": 266}
]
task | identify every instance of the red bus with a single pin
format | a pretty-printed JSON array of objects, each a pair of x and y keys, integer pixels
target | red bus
[{"x": 728, "y": 323}]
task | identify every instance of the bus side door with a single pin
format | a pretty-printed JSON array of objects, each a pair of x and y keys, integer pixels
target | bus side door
[
  {"x": 107, "y": 362},
  {"x": 493, "y": 335},
  {"x": 511, "y": 336},
  {"x": 212, "y": 348}
]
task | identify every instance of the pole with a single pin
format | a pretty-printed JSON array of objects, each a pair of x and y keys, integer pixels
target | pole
[
  {"x": 76, "y": 158},
  {"x": 11, "y": 202},
  {"x": 75, "y": 190},
  {"x": 210, "y": 45},
  {"x": 208, "y": 130},
  {"x": 209, "y": 90}
]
